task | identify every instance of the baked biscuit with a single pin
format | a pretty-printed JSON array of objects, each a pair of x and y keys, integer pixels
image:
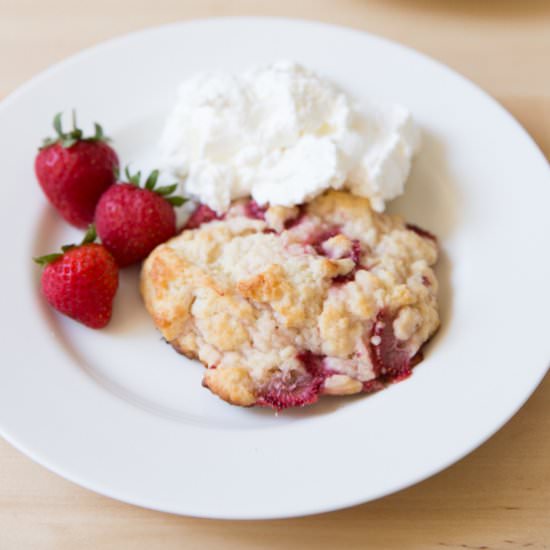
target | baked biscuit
[{"x": 285, "y": 304}]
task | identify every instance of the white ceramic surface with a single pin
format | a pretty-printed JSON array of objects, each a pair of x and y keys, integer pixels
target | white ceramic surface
[{"x": 119, "y": 412}]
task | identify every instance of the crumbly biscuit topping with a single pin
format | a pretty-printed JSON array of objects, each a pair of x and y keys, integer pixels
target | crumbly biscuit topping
[{"x": 290, "y": 303}]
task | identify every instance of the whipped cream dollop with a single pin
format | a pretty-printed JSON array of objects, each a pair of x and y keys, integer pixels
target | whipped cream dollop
[{"x": 284, "y": 135}]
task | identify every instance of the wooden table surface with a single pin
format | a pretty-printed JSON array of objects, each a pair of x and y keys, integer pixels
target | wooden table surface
[{"x": 496, "y": 498}]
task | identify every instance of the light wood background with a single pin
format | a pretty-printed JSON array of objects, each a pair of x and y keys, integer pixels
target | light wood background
[{"x": 499, "y": 496}]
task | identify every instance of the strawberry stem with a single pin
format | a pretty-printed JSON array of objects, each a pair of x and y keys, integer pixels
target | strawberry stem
[
  {"x": 99, "y": 135},
  {"x": 76, "y": 134}
]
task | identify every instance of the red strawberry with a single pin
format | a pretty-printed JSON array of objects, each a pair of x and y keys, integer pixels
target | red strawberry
[
  {"x": 290, "y": 389},
  {"x": 132, "y": 220},
  {"x": 390, "y": 356},
  {"x": 254, "y": 210},
  {"x": 201, "y": 214},
  {"x": 372, "y": 386},
  {"x": 74, "y": 171},
  {"x": 294, "y": 388},
  {"x": 81, "y": 282}
]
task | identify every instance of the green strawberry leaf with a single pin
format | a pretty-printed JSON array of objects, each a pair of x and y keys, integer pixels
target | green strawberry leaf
[
  {"x": 152, "y": 180},
  {"x": 47, "y": 259},
  {"x": 150, "y": 185},
  {"x": 166, "y": 189},
  {"x": 68, "y": 139},
  {"x": 68, "y": 142},
  {"x": 176, "y": 201},
  {"x": 90, "y": 235},
  {"x": 133, "y": 179}
]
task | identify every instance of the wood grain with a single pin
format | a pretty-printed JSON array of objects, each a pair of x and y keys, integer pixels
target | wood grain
[{"x": 496, "y": 498}]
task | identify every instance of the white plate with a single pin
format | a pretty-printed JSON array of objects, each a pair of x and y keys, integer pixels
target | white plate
[{"x": 119, "y": 412}]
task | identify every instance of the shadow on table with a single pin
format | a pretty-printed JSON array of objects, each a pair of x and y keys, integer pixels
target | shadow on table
[{"x": 477, "y": 8}]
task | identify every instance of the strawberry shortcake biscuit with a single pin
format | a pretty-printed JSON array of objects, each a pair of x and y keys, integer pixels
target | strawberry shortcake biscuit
[{"x": 284, "y": 304}]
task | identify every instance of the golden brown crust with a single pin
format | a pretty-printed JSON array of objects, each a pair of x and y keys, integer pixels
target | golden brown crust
[
  {"x": 166, "y": 284},
  {"x": 267, "y": 286},
  {"x": 232, "y": 384}
]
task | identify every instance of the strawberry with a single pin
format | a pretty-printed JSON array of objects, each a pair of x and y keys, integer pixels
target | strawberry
[
  {"x": 295, "y": 388},
  {"x": 74, "y": 171},
  {"x": 372, "y": 386},
  {"x": 202, "y": 214},
  {"x": 132, "y": 220},
  {"x": 81, "y": 281},
  {"x": 254, "y": 211},
  {"x": 289, "y": 389},
  {"x": 390, "y": 357}
]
